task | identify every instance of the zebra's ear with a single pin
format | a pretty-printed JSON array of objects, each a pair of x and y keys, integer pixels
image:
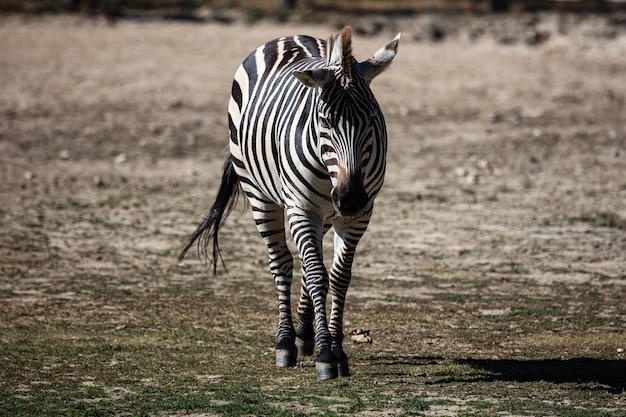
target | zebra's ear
[
  {"x": 371, "y": 68},
  {"x": 312, "y": 78}
]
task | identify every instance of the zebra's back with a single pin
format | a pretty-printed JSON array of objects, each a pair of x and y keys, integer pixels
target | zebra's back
[{"x": 269, "y": 110}]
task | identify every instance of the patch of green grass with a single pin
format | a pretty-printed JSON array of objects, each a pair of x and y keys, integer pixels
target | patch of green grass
[
  {"x": 414, "y": 404},
  {"x": 69, "y": 204},
  {"x": 161, "y": 340},
  {"x": 104, "y": 223},
  {"x": 468, "y": 190},
  {"x": 150, "y": 369},
  {"x": 439, "y": 198},
  {"x": 504, "y": 189},
  {"x": 533, "y": 312},
  {"x": 493, "y": 197},
  {"x": 126, "y": 201},
  {"x": 602, "y": 219},
  {"x": 451, "y": 297}
]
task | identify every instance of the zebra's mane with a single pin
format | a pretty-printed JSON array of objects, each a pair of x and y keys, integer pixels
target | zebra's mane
[{"x": 340, "y": 52}]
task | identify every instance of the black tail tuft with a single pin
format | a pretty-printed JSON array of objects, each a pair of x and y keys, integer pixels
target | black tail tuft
[{"x": 209, "y": 227}]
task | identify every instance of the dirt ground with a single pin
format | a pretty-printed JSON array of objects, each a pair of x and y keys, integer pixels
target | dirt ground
[
  {"x": 501, "y": 157},
  {"x": 506, "y": 172}
]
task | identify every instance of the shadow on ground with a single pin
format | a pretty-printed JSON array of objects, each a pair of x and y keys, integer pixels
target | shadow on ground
[{"x": 603, "y": 374}]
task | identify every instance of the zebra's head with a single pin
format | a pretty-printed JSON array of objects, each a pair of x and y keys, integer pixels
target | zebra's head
[{"x": 349, "y": 122}]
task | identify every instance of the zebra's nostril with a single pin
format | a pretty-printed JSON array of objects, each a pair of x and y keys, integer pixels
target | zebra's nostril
[{"x": 349, "y": 200}]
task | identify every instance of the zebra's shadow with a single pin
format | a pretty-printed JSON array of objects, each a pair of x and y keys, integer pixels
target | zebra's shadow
[{"x": 598, "y": 374}]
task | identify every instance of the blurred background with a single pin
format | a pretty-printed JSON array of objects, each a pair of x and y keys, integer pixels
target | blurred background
[{"x": 254, "y": 9}]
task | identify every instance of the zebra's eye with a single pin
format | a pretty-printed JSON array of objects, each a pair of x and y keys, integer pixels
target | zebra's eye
[{"x": 324, "y": 123}]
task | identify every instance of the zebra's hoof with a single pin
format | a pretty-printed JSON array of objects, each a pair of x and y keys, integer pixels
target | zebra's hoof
[
  {"x": 326, "y": 370},
  {"x": 342, "y": 367},
  {"x": 305, "y": 347},
  {"x": 286, "y": 358}
]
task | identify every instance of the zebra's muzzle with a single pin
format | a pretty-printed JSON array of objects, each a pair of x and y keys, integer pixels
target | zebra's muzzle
[{"x": 349, "y": 197}]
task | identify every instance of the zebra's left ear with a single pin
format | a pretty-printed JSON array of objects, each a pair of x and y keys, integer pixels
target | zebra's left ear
[
  {"x": 371, "y": 68},
  {"x": 312, "y": 78}
]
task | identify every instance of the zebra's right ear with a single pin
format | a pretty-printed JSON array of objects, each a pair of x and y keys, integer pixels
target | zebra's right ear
[{"x": 313, "y": 78}]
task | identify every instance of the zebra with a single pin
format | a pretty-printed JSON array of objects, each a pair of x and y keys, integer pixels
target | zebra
[{"x": 307, "y": 147}]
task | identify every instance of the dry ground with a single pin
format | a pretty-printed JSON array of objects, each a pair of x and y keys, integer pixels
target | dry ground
[{"x": 496, "y": 256}]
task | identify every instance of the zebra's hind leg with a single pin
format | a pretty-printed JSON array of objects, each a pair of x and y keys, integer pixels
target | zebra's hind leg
[
  {"x": 269, "y": 219},
  {"x": 286, "y": 351}
]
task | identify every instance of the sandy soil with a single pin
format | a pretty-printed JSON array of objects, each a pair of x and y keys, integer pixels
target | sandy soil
[{"x": 507, "y": 161}]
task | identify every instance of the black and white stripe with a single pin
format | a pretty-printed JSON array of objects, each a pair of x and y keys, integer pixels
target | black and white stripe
[{"x": 307, "y": 144}]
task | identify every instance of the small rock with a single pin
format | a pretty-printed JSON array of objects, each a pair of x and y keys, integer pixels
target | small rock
[
  {"x": 486, "y": 165},
  {"x": 360, "y": 336},
  {"x": 473, "y": 178},
  {"x": 461, "y": 172},
  {"x": 64, "y": 154},
  {"x": 120, "y": 159},
  {"x": 29, "y": 175}
]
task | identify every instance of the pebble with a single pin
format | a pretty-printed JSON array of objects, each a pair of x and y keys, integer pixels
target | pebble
[
  {"x": 486, "y": 165},
  {"x": 360, "y": 336},
  {"x": 120, "y": 159},
  {"x": 473, "y": 178}
]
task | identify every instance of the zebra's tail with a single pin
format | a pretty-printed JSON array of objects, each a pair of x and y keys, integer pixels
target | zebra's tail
[{"x": 209, "y": 227}]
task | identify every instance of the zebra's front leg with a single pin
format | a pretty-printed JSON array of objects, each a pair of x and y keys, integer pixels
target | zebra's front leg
[
  {"x": 344, "y": 247},
  {"x": 305, "y": 332},
  {"x": 307, "y": 232},
  {"x": 269, "y": 219}
]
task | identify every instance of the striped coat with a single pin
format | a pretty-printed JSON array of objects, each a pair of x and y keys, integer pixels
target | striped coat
[{"x": 307, "y": 144}]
